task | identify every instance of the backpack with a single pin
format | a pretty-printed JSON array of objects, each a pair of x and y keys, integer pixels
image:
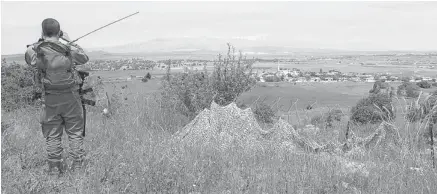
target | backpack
[{"x": 55, "y": 62}]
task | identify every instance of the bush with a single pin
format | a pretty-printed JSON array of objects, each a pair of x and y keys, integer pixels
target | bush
[
  {"x": 373, "y": 109},
  {"x": 189, "y": 92},
  {"x": 434, "y": 84},
  {"x": 17, "y": 86},
  {"x": 408, "y": 90},
  {"x": 423, "y": 84},
  {"x": 381, "y": 87},
  {"x": 328, "y": 118},
  {"x": 333, "y": 115},
  {"x": 231, "y": 77},
  {"x": 264, "y": 113},
  {"x": 317, "y": 120},
  {"x": 414, "y": 114},
  {"x": 272, "y": 79},
  {"x": 146, "y": 78},
  {"x": 194, "y": 91},
  {"x": 423, "y": 109}
]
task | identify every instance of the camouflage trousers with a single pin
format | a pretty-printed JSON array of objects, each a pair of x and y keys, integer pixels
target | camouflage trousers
[{"x": 63, "y": 110}]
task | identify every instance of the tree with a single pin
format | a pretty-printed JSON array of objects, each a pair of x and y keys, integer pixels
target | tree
[
  {"x": 17, "y": 86},
  {"x": 408, "y": 90},
  {"x": 423, "y": 84},
  {"x": 148, "y": 76},
  {"x": 373, "y": 109},
  {"x": 405, "y": 79},
  {"x": 321, "y": 71},
  {"x": 381, "y": 86},
  {"x": 193, "y": 91},
  {"x": 264, "y": 113}
]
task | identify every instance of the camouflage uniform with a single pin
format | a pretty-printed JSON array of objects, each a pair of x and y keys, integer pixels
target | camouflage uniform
[{"x": 61, "y": 109}]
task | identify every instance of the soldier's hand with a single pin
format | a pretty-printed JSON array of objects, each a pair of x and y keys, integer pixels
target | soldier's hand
[{"x": 65, "y": 36}]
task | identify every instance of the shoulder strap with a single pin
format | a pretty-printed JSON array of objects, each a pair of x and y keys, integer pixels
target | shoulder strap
[{"x": 58, "y": 47}]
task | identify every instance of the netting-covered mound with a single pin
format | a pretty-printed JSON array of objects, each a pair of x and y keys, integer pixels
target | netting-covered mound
[
  {"x": 386, "y": 135},
  {"x": 225, "y": 125},
  {"x": 230, "y": 125}
]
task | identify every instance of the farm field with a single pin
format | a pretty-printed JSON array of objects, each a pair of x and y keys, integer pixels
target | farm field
[
  {"x": 344, "y": 94},
  {"x": 338, "y": 94}
]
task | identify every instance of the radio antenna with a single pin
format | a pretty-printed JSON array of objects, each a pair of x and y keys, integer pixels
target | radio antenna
[{"x": 102, "y": 27}]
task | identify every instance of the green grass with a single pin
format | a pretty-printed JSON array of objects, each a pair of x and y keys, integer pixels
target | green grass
[{"x": 129, "y": 153}]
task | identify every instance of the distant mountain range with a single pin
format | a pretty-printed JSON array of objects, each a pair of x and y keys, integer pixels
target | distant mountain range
[
  {"x": 207, "y": 47},
  {"x": 210, "y": 45}
]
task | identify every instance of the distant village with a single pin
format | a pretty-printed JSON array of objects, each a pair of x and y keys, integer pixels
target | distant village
[
  {"x": 140, "y": 64},
  {"x": 296, "y": 75},
  {"x": 279, "y": 74}
]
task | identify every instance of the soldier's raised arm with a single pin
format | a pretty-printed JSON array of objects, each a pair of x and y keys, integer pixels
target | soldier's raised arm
[{"x": 78, "y": 54}]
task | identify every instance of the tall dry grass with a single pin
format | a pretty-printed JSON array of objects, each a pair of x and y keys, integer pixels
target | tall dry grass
[{"x": 128, "y": 153}]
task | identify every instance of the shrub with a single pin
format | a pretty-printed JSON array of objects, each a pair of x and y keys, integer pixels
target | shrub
[
  {"x": 17, "y": 86},
  {"x": 414, "y": 113},
  {"x": 309, "y": 107},
  {"x": 405, "y": 79},
  {"x": 378, "y": 85},
  {"x": 194, "y": 91},
  {"x": 333, "y": 115},
  {"x": 408, "y": 90},
  {"x": 328, "y": 118},
  {"x": 231, "y": 77},
  {"x": 434, "y": 84},
  {"x": 190, "y": 92},
  {"x": 424, "y": 109},
  {"x": 264, "y": 113},
  {"x": 373, "y": 109},
  {"x": 272, "y": 79},
  {"x": 316, "y": 120},
  {"x": 423, "y": 84},
  {"x": 148, "y": 76}
]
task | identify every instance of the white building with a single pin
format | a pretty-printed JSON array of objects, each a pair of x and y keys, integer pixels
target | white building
[
  {"x": 370, "y": 79},
  {"x": 315, "y": 79},
  {"x": 427, "y": 79},
  {"x": 301, "y": 79}
]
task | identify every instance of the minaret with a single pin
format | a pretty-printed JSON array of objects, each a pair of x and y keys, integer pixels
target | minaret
[{"x": 278, "y": 64}]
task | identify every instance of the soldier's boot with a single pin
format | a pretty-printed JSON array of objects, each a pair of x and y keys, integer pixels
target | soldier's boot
[
  {"x": 77, "y": 166},
  {"x": 55, "y": 168}
]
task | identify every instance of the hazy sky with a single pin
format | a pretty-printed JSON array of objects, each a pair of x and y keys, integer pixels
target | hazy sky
[{"x": 339, "y": 25}]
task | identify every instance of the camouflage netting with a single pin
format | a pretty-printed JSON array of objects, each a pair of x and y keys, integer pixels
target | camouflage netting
[
  {"x": 386, "y": 135},
  {"x": 230, "y": 125},
  {"x": 225, "y": 125}
]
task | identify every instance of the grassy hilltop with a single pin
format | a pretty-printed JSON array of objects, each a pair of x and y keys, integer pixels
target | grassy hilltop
[{"x": 131, "y": 151}]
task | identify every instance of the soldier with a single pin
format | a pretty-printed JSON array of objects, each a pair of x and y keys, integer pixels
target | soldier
[{"x": 54, "y": 64}]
